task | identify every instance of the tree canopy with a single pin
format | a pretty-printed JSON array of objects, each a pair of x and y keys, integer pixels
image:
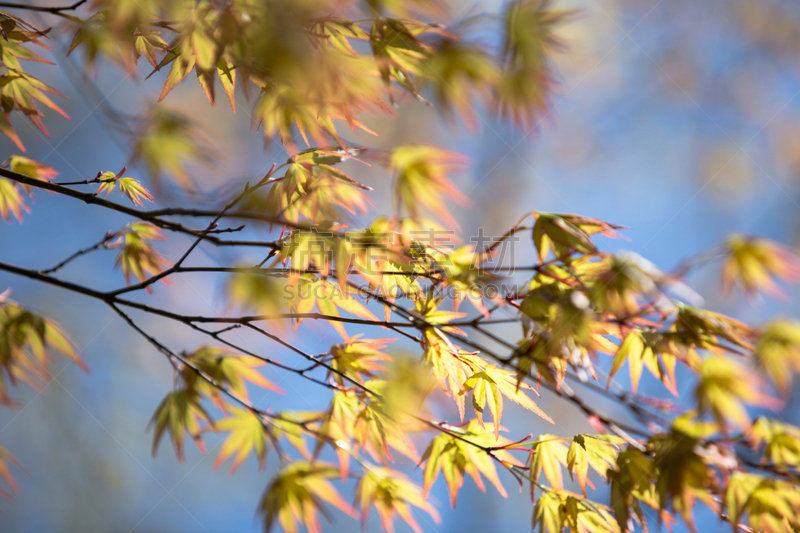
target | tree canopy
[{"x": 448, "y": 333}]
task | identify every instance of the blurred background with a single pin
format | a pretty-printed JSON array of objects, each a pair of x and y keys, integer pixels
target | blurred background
[{"x": 679, "y": 119}]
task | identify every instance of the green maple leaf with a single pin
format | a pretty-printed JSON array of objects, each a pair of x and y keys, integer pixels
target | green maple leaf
[{"x": 179, "y": 413}]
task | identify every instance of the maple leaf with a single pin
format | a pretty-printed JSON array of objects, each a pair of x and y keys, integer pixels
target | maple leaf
[
  {"x": 561, "y": 235},
  {"x": 421, "y": 179},
  {"x": 548, "y": 455},
  {"x": 778, "y": 353},
  {"x": 166, "y": 143},
  {"x": 392, "y": 494},
  {"x": 314, "y": 189},
  {"x": 17, "y": 33},
  {"x": 31, "y": 168},
  {"x": 124, "y": 42},
  {"x": 453, "y": 457},
  {"x": 537, "y": 353},
  {"x": 460, "y": 73},
  {"x": 198, "y": 49},
  {"x": 13, "y": 195},
  {"x": 354, "y": 423},
  {"x": 397, "y": 52},
  {"x": 358, "y": 358},
  {"x": 178, "y": 413},
  {"x": 754, "y": 263},
  {"x": 226, "y": 368},
  {"x": 12, "y": 201},
  {"x": 782, "y": 442},
  {"x": 559, "y": 509},
  {"x": 27, "y": 344},
  {"x": 598, "y": 451},
  {"x": 707, "y": 329},
  {"x": 337, "y": 32},
  {"x": 646, "y": 349},
  {"x": 548, "y": 513},
  {"x": 289, "y": 426},
  {"x": 20, "y": 92},
  {"x": 626, "y": 279},
  {"x": 246, "y": 434},
  {"x": 312, "y": 104},
  {"x": 137, "y": 257},
  {"x": 724, "y": 387},
  {"x": 6, "y": 460},
  {"x": 772, "y": 505},
  {"x": 329, "y": 299},
  {"x": 529, "y": 35},
  {"x": 489, "y": 385},
  {"x": 682, "y": 474},
  {"x": 450, "y": 366},
  {"x": 129, "y": 187},
  {"x": 252, "y": 289},
  {"x": 295, "y": 496},
  {"x": 631, "y": 484}
]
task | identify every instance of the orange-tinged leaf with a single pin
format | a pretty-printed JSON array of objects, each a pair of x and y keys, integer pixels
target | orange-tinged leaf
[
  {"x": 296, "y": 493},
  {"x": 227, "y": 76},
  {"x": 227, "y": 368},
  {"x": 549, "y": 455},
  {"x": 454, "y": 458},
  {"x": 181, "y": 67},
  {"x": 421, "y": 179},
  {"x": 778, "y": 353},
  {"x": 246, "y": 434},
  {"x": 6, "y": 460},
  {"x": 724, "y": 388},
  {"x": 490, "y": 385},
  {"x": 129, "y": 187},
  {"x": 137, "y": 257},
  {"x": 27, "y": 344},
  {"x": 392, "y": 494},
  {"x": 754, "y": 264},
  {"x": 180, "y": 412},
  {"x": 598, "y": 451},
  {"x": 14, "y": 196}
]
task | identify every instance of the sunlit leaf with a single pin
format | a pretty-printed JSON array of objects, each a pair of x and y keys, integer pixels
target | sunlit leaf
[
  {"x": 178, "y": 414},
  {"x": 529, "y": 39},
  {"x": 453, "y": 458},
  {"x": 754, "y": 264},
  {"x": 246, "y": 434},
  {"x": 166, "y": 144},
  {"x": 598, "y": 451},
  {"x": 256, "y": 291},
  {"x": 549, "y": 455},
  {"x": 725, "y": 387},
  {"x": 773, "y": 505},
  {"x": 778, "y": 352},
  {"x": 489, "y": 385},
  {"x": 129, "y": 187},
  {"x": 392, "y": 494},
  {"x": 227, "y": 369},
  {"x": 6, "y": 460},
  {"x": 28, "y": 342},
  {"x": 358, "y": 358},
  {"x": 421, "y": 179},
  {"x": 296, "y": 494},
  {"x": 137, "y": 257}
]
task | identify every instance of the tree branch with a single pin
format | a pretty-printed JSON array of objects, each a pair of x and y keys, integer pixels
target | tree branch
[{"x": 55, "y": 10}]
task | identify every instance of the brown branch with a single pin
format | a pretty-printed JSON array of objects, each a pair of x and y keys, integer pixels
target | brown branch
[
  {"x": 97, "y": 246},
  {"x": 148, "y": 216},
  {"x": 203, "y": 234},
  {"x": 55, "y": 10}
]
